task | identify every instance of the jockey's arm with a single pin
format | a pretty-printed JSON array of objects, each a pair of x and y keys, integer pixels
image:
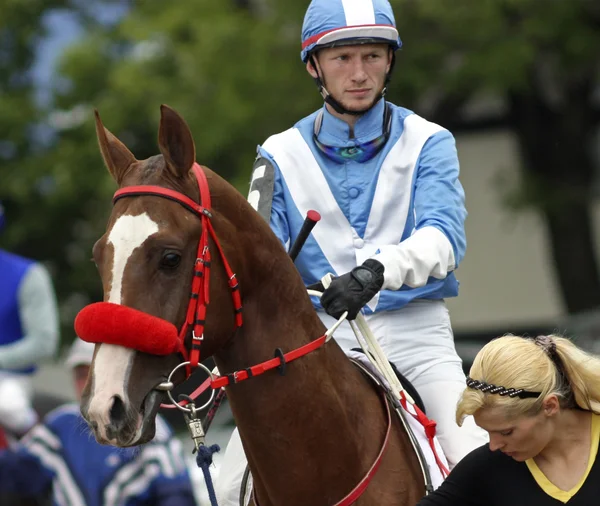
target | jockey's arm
[
  {"x": 438, "y": 243},
  {"x": 39, "y": 319}
]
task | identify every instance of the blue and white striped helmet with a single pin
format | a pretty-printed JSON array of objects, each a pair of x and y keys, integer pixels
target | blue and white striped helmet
[{"x": 343, "y": 22}]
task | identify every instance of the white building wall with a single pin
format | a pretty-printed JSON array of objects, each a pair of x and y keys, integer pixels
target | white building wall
[{"x": 507, "y": 278}]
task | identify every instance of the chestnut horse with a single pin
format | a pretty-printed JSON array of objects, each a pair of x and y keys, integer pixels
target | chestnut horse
[{"x": 311, "y": 435}]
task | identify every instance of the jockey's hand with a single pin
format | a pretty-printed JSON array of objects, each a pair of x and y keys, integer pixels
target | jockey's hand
[{"x": 351, "y": 291}]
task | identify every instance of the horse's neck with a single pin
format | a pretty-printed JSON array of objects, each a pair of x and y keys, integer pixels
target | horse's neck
[{"x": 322, "y": 413}]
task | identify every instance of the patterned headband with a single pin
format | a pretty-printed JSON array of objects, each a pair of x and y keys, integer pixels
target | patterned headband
[{"x": 488, "y": 388}]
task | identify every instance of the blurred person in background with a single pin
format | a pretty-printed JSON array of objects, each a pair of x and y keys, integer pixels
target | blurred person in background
[
  {"x": 29, "y": 333},
  {"x": 539, "y": 400},
  {"x": 60, "y": 456}
]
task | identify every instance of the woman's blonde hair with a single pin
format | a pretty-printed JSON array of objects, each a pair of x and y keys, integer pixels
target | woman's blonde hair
[{"x": 546, "y": 364}]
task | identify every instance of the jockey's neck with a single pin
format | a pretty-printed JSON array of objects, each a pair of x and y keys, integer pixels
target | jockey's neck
[{"x": 350, "y": 119}]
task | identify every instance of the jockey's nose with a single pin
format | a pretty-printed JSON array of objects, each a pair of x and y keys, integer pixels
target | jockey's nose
[{"x": 359, "y": 74}]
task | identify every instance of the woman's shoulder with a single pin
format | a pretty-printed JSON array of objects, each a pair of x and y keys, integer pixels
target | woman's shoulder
[
  {"x": 483, "y": 460},
  {"x": 474, "y": 480}
]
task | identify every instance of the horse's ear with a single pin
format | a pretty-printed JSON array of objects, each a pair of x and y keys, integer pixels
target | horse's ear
[
  {"x": 175, "y": 142},
  {"x": 117, "y": 157}
]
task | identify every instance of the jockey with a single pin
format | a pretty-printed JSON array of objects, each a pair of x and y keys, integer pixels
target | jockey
[
  {"x": 385, "y": 182},
  {"x": 60, "y": 457},
  {"x": 28, "y": 334}
]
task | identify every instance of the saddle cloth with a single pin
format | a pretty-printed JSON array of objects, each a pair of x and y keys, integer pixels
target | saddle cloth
[{"x": 423, "y": 428}]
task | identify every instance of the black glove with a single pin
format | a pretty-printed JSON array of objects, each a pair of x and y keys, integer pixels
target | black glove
[{"x": 351, "y": 291}]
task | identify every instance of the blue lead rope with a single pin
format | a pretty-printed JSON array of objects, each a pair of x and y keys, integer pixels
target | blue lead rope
[{"x": 204, "y": 459}]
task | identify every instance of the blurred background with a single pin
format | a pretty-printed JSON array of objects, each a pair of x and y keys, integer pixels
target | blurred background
[{"x": 516, "y": 81}]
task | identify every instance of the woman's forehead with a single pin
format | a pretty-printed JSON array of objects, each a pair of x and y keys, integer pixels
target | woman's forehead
[{"x": 493, "y": 419}]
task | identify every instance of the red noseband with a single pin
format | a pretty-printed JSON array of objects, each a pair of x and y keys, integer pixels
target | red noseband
[{"x": 109, "y": 323}]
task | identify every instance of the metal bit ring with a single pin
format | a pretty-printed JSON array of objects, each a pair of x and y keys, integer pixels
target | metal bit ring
[{"x": 196, "y": 408}]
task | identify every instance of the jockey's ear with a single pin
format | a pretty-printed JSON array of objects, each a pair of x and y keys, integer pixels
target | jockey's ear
[
  {"x": 175, "y": 142},
  {"x": 117, "y": 157},
  {"x": 310, "y": 68}
]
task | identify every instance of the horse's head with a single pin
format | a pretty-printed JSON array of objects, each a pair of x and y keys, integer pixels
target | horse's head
[{"x": 146, "y": 261}]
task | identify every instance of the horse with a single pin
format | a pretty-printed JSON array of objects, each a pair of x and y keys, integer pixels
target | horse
[{"x": 311, "y": 428}]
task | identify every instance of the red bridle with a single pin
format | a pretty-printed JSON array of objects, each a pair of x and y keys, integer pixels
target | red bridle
[
  {"x": 126, "y": 331},
  {"x": 199, "y": 296}
]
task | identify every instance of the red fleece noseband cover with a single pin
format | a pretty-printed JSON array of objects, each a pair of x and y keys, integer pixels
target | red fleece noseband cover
[{"x": 105, "y": 322}]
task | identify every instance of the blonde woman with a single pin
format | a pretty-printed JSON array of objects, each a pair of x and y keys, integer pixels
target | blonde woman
[{"x": 539, "y": 400}]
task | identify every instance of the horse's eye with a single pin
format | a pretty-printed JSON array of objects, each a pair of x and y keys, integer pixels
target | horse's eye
[{"x": 170, "y": 260}]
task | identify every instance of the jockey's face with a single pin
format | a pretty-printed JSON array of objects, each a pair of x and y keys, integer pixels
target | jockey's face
[
  {"x": 523, "y": 437},
  {"x": 353, "y": 75}
]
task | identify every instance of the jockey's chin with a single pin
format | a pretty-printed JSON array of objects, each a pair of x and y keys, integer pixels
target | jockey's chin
[{"x": 360, "y": 104}]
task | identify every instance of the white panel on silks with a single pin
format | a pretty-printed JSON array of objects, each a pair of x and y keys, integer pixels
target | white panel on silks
[
  {"x": 359, "y": 12},
  {"x": 389, "y": 210},
  {"x": 309, "y": 190}
]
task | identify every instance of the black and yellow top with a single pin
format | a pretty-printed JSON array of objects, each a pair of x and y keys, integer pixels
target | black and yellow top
[{"x": 486, "y": 478}]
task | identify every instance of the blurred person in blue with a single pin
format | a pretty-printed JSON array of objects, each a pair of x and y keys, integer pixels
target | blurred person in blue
[
  {"x": 386, "y": 183},
  {"x": 29, "y": 333},
  {"x": 60, "y": 456}
]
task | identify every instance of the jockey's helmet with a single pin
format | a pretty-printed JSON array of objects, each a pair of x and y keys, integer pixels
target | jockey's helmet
[{"x": 330, "y": 23}]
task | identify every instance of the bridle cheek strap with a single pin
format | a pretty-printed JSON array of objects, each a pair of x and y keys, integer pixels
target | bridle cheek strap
[{"x": 156, "y": 335}]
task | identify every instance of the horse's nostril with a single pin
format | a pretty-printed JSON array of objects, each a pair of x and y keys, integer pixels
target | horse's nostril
[{"x": 117, "y": 412}]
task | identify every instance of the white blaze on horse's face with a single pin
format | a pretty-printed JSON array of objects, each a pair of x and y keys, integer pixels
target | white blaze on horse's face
[
  {"x": 112, "y": 362},
  {"x": 128, "y": 234}
]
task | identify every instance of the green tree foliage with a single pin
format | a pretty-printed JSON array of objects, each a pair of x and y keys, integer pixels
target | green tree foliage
[
  {"x": 541, "y": 58},
  {"x": 232, "y": 69}
]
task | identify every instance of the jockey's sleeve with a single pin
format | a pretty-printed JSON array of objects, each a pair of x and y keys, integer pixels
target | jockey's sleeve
[
  {"x": 267, "y": 197},
  {"x": 39, "y": 320},
  {"x": 437, "y": 243}
]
